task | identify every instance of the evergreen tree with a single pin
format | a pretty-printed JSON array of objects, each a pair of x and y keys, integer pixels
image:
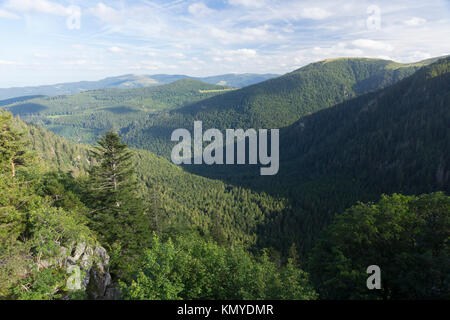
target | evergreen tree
[
  {"x": 12, "y": 146},
  {"x": 111, "y": 180},
  {"x": 117, "y": 211}
]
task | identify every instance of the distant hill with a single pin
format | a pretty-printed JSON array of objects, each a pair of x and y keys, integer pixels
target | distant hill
[
  {"x": 82, "y": 117},
  {"x": 274, "y": 103},
  {"x": 131, "y": 81},
  {"x": 396, "y": 139}
]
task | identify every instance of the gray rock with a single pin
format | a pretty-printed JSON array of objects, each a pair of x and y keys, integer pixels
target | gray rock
[{"x": 93, "y": 263}]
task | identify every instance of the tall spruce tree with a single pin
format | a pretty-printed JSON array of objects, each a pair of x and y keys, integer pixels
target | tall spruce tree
[
  {"x": 118, "y": 214},
  {"x": 13, "y": 152}
]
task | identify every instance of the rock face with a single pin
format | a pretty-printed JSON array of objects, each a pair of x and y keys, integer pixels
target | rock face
[{"x": 91, "y": 265}]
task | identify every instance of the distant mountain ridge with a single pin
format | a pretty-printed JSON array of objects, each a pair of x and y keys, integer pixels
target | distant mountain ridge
[
  {"x": 274, "y": 103},
  {"x": 393, "y": 140},
  {"x": 131, "y": 81},
  {"x": 83, "y": 116}
]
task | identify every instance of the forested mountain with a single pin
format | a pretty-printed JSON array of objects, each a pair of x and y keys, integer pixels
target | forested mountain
[
  {"x": 131, "y": 81},
  {"x": 318, "y": 176},
  {"x": 274, "y": 103},
  {"x": 82, "y": 117},
  {"x": 237, "y": 80},
  {"x": 258, "y": 232},
  {"x": 147, "y": 116},
  {"x": 183, "y": 200},
  {"x": 49, "y": 219},
  {"x": 396, "y": 139}
]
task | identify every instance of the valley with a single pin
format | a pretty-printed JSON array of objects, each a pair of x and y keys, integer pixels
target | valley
[{"x": 379, "y": 128}]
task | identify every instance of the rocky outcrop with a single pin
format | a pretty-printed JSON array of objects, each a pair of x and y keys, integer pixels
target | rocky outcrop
[{"x": 91, "y": 265}]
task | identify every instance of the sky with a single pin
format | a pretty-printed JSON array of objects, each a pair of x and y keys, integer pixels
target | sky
[{"x": 49, "y": 41}]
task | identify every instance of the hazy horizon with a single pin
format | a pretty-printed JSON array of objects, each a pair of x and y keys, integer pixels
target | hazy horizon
[{"x": 49, "y": 42}]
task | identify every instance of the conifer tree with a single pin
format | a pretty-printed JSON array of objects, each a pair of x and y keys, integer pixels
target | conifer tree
[
  {"x": 13, "y": 151},
  {"x": 117, "y": 213}
]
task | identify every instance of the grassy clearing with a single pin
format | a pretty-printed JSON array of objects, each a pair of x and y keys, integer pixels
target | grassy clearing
[{"x": 217, "y": 90}]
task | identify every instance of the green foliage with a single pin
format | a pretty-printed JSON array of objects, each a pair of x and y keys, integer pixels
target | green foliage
[
  {"x": 41, "y": 285},
  {"x": 194, "y": 268},
  {"x": 52, "y": 228},
  {"x": 274, "y": 103},
  {"x": 111, "y": 180},
  {"x": 85, "y": 116},
  {"x": 57, "y": 153},
  {"x": 12, "y": 145},
  {"x": 392, "y": 140},
  {"x": 117, "y": 212},
  {"x": 395, "y": 140},
  {"x": 62, "y": 189},
  {"x": 34, "y": 223},
  {"x": 406, "y": 236},
  {"x": 174, "y": 199}
]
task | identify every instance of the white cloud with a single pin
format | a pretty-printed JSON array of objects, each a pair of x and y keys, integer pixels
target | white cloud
[
  {"x": 132, "y": 21},
  {"x": 78, "y": 46},
  {"x": 243, "y": 54},
  {"x": 415, "y": 21},
  {"x": 8, "y": 15},
  {"x": 315, "y": 13},
  {"x": 41, "y": 6},
  {"x": 107, "y": 14},
  {"x": 419, "y": 55},
  {"x": 79, "y": 62},
  {"x": 200, "y": 9},
  {"x": 72, "y": 13},
  {"x": 338, "y": 50},
  {"x": 115, "y": 49},
  {"x": 241, "y": 36},
  {"x": 41, "y": 55},
  {"x": 152, "y": 65},
  {"x": 178, "y": 55},
  {"x": 248, "y": 53},
  {"x": 10, "y": 63},
  {"x": 247, "y": 35},
  {"x": 248, "y": 3},
  {"x": 372, "y": 44}
]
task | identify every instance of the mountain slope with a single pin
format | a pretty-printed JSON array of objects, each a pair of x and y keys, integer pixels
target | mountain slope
[
  {"x": 397, "y": 135},
  {"x": 393, "y": 140},
  {"x": 131, "y": 81},
  {"x": 81, "y": 117},
  {"x": 182, "y": 200},
  {"x": 273, "y": 103}
]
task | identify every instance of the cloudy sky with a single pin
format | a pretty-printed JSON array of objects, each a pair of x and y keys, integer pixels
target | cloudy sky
[{"x": 49, "y": 41}]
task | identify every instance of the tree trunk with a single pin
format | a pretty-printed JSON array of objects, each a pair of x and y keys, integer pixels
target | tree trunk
[{"x": 13, "y": 167}]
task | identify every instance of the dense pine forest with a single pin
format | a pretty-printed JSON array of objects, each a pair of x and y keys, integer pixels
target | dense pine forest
[
  {"x": 364, "y": 179},
  {"x": 145, "y": 117},
  {"x": 392, "y": 140},
  {"x": 274, "y": 103}
]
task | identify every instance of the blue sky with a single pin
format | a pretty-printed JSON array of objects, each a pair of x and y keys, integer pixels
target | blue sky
[{"x": 49, "y": 41}]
